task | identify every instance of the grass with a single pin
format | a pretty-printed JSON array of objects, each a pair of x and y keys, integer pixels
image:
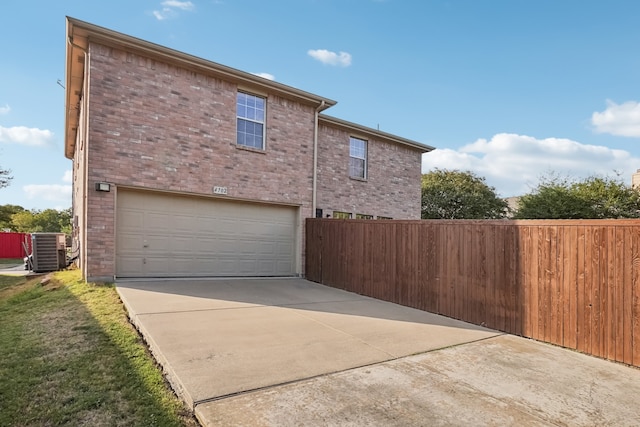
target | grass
[
  {"x": 10, "y": 262},
  {"x": 69, "y": 356}
]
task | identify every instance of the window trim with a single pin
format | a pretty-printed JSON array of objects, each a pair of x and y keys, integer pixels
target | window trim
[
  {"x": 363, "y": 216},
  {"x": 246, "y": 119},
  {"x": 341, "y": 215},
  {"x": 365, "y": 159}
]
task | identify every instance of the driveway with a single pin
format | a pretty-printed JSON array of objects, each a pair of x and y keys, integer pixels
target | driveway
[
  {"x": 279, "y": 352},
  {"x": 14, "y": 270}
]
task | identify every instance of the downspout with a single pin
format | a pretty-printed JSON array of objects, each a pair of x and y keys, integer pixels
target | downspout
[
  {"x": 315, "y": 159},
  {"x": 81, "y": 137},
  {"x": 85, "y": 162}
]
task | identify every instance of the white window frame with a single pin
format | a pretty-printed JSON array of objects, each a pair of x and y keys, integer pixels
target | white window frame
[
  {"x": 358, "y": 153},
  {"x": 249, "y": 113}
]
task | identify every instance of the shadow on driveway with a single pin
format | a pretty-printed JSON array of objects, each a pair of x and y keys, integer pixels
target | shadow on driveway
[{"x": 294, "y": 352}]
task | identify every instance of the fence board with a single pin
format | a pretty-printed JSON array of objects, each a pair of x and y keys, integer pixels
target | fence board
[
  {"x": 548, "y": 285},
  {"x": 572, "y": 283},
  {"x": 596, "y": 310},
  {"x": 570, "y": 279},
  {"x": 610, "y": 288},
  {"x": 618, "y": 302},
  {"x": 635, "y": 300},
  {"x": 627, "y": 309}
]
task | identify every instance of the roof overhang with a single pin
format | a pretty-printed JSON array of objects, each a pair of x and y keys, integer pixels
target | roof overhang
[
  {"x": 363, "y": 130},
  {"x": 80, "y": 34}
]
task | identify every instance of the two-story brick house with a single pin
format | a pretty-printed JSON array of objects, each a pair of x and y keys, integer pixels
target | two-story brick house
[{"x": 186, "y": 167}]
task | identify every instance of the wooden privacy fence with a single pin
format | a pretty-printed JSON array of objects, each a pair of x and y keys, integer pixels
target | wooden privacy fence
[{"x": 574, "y": 283}]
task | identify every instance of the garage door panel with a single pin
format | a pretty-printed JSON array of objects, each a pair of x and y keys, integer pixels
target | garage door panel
[
  {"x": 157, "y": 243},
  {"x": 185, "y": 224},
  {"x": 182, "y": 244},
  {"x": 156, "y": 266},
  {"x": 129, "y": 242},
  {"x": 130, "y": 219},
  {"x": 165, "y": 235},
  {"x": 129, "y": 265},
  {"x": 182, "y": 266},
  {"x": 284, "y": 265},
  {"x": 227, "y": 267},
  {"x": 157, "y": 221}
]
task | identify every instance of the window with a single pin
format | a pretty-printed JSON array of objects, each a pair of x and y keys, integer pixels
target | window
[
  {"x": 250, "y": 113},
  {"x": 363, "y": 216},
  {"x": 341, "y": 215},
  {"x": 357, "y": 158},
  {"x": 384, "y": 217}
]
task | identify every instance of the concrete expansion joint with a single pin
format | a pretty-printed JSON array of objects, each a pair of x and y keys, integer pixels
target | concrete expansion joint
[
  {"x": 200, "y": 310},
  {"x": 327, "y": 374},
  {"x": 296, "y": 304}
]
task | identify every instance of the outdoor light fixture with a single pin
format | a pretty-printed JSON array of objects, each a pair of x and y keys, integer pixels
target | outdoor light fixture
[{"x": 103, "y": 186}]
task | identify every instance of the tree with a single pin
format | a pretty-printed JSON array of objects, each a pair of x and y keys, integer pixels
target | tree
[
  {"x": 6, "y": 211},
  {"x": 593, "y": 198},
  {"x": 452, "y": 194},
  {"x": 5, "y": 177},
  {"x": 47, "y": 221}
]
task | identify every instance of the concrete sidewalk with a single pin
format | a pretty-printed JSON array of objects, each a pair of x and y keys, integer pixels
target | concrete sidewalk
[{"x": 293, "y": 352}]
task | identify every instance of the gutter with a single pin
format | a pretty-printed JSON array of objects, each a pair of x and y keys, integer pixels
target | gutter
[{"x": 320, "y": 107}]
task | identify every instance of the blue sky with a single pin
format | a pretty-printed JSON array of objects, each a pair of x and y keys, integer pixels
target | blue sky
[{"x": 509, "y": 89}]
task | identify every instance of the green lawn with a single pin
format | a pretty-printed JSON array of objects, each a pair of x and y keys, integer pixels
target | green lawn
[
  {"x": 9, "y": 262},
  {"x": 68, "y": 356}
]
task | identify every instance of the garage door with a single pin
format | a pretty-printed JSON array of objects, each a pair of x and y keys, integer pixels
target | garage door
[{"x": 160, "y": 235}]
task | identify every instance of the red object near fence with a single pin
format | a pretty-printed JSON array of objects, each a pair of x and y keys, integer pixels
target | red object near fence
[{"x": 11, "y": 244}]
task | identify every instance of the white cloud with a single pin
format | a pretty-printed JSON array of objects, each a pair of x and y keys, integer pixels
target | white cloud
[
  {"x": 49, "y": 192},
  {"x": 68, "y": 176},
  {"x": 265, "y": 76},
  {"x": 163, "y": 14},
  {"x": 342, "y": 59},
  {"x": 618, "y": 119},
  {"x": 169, "y": 9},
  {"x": 184, "y": 5},
  {"x": 26, "y": 136},
  {"x": 513, "y": 164},
  {"x": 5, "y": 110}
]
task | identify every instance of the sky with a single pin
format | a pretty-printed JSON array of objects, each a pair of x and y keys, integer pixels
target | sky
[{"x": 511, "y": 90}]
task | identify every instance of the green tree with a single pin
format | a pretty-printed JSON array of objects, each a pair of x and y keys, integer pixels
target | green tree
[
  {"x": 452, "y": 194},
  {"x": 47, "y": 221},
  {"x": 6, "y": 211},
  {"x": 608, "y": 198},
  {"x": 590, "y": 198},
  {"x": 5, "y": 177}
]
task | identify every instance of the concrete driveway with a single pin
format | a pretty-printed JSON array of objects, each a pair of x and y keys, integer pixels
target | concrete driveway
[{"x": 277, "y": 352}]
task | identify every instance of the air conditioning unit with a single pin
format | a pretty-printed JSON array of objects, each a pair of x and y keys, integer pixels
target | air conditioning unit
[{"x": 49, "y": 252}]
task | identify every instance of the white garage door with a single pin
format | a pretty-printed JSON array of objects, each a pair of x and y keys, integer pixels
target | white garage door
[{"x": 161, "y": 235}]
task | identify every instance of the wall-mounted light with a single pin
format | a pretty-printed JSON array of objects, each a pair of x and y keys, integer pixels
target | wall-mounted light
[{"x": 103, "y": 186}]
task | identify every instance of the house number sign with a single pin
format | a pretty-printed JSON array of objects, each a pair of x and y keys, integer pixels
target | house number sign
[{"x": 219, "y": 190}]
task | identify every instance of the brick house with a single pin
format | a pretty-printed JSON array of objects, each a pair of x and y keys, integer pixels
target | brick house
[{"x": 186, "y": 167}]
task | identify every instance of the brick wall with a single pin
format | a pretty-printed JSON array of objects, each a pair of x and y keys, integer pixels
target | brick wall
[
  {"x": 159, "y": 126},
  {"x": 392, "y": 187}
]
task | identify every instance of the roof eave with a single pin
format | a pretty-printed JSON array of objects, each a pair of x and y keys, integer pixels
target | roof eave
[
  {"x": 354, "y": 127},
  {"x": 79, "y": 33}
]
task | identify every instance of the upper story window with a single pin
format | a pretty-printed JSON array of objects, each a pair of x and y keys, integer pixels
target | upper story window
[
  {"x": 250, "y": 113},
  {"x": 357, "y": 158}
]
